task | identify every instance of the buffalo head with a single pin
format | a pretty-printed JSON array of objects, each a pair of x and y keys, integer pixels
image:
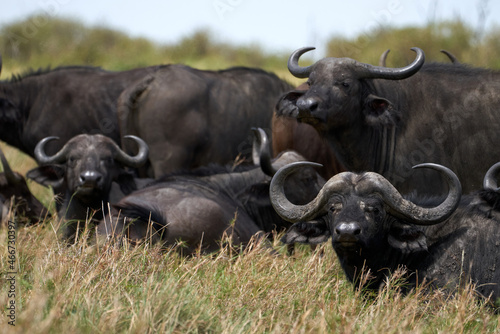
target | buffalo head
[
  {"x": 366, "y": 217},
  {"x": 87, "y": 165},
  {"x": 337, "y": 91}
]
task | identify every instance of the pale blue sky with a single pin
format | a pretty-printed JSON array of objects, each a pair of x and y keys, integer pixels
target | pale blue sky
[{"x": 275, "y": 25}]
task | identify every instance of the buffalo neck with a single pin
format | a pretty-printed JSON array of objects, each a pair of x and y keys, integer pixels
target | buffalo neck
[
  {"x": 354, "y": 145},
  {"x": 381, "y": 263},
  {"x": 371, "y": 147},
  {"x": 75, "y": 208}
]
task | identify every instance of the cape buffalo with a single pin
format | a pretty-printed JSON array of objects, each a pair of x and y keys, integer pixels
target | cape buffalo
[
  {"x": 199, "y": 207},
  {"x": 190, "y": 118},
  {"x": 86, "y": 166},
  {"x": 62, "y": 102},
  {"x": 374, "y": 228},
  {"x": 15, "y": 193},
  {"x": 388, "y": 119}
]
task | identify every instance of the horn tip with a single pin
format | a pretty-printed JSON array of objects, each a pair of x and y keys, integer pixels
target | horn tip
[
  {"x": 306, "y": 49},
  {"x": 417, "y": 50},
  {"x": 49, "y": 138},
  {"x": 428, "y": 165}
]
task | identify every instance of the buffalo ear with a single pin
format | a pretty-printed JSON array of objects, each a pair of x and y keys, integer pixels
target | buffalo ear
[
  {"x": 407, "y": 238},
  {"x": 49, "y": 175},
  {"x": 380, "y": 112},
  {"x": 311, "y": 232},
  {"x": 287, "y": 104}
]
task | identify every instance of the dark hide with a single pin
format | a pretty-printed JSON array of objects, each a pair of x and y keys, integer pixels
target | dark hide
[
  {"x": 202, "y": 209},
  {"x": 62, "y": 102},
  {"x": 445, "y": 113},
  {"x": 191, "y": 118},
  {"x": 463, "y": 248}
]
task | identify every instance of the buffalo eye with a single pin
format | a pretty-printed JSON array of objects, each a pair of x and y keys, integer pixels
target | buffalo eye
[
  {"x": 335, "y": 207},
  {"x": 72, "y": 161},
  {"x": 345, "y": 84},
  {"x": 373, "y": 210},
  {"x": 108, "y": 160}
]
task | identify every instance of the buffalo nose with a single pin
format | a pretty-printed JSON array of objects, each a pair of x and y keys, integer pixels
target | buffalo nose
[
  {"x": 90, "y": 177},
  {"x": 348, "y": 229},
  {"x": 307, "y": 104}
]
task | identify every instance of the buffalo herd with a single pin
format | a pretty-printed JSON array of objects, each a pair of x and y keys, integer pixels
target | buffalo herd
[{"x": 397, "y": 166}]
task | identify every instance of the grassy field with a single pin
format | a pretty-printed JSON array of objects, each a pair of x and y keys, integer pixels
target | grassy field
[
  {"x": 86, "y": 288},
  {"x": 100, "y": 289}
]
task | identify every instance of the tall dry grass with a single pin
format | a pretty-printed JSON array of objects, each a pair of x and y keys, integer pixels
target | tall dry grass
[{"x": 87, "y": 288}]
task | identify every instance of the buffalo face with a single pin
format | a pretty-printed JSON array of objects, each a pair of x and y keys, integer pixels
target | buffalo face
[
  {"x": 366, "y": 217},
  {"x": 356, "y": 222},
  {"x": 338, "y": 93},
  {"x": 90, "y": 170},
  {"x": 87, "y": 165},
  {"x": 333, "y": 92}
]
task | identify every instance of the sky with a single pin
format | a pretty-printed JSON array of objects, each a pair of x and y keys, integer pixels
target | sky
[{"x": 276, "y": 26}]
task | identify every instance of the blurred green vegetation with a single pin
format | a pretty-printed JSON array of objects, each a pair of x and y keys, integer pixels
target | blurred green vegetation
[
  {"x": 39, "y": 41},
  {"x": 453, "y": 36},
  {"x": 42, "y": 41}
]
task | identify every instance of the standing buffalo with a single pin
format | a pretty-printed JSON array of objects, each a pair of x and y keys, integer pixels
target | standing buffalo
[
  {"x": 198, "y": 208},
  {"x": 388, "y": 119},
  {"x": 62, "y": 102},
  {"x": 14, "y": 192},
  {"x": 190, "y": 118},
  {"x": 85, "y": 167},
  {"x": 374, "y": 228}
]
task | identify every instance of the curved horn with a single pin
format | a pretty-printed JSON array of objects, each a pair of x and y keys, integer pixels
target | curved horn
[
  {"x": 383, "y": 58},
  {"x": 43, "y": 158},
  {"x": 133, "y": 161},
  {"x": 490, "y": 181},
  {"x": 293, "y": 63},
  {"x": 261, "y": 152},
  {"x": 295, "y": 213},
  {"x": 370, "y": 183},
  {"x": 377, "y": 72},
  {"x": 452, "y": 57},
  {"x": 407, "y": 210},
  {"x": 12, "y": 178}
]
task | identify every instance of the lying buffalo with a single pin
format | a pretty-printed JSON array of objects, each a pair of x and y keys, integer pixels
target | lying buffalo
[
  {"x": 15, "y": 194},
  {"x": 62, "y": 102},
  {"x": 198, "y": 208},
  {"x": 374, "y": 228},
  {"x": 190, "y": 118},
  {"x": 386, "y": 120},
  {"x": 86, "y": 166}
]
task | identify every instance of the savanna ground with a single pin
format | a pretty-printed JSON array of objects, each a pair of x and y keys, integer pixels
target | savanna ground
[{"x": 86, "y": 288}]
